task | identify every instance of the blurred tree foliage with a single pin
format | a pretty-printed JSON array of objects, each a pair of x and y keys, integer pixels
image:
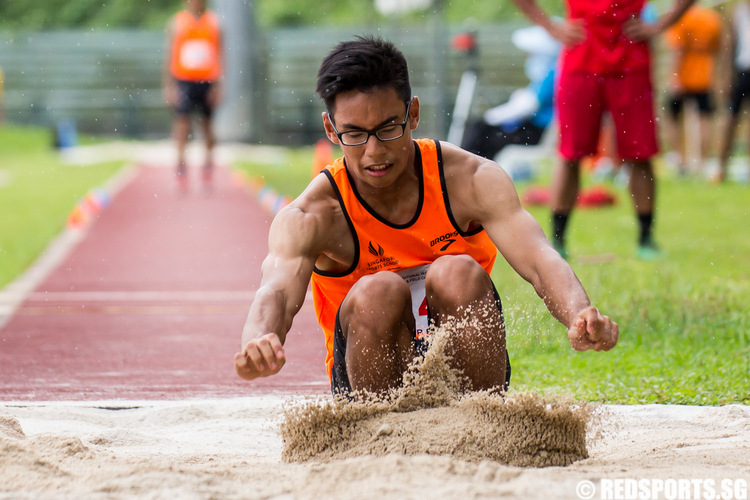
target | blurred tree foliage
[
  {"x": 342, "y": 12},
  {"x": 64, "y": 14}
]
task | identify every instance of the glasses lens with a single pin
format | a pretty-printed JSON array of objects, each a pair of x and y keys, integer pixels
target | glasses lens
[
  {"x": 353, "y": 138},
  {"x": 390, "y": 132}
]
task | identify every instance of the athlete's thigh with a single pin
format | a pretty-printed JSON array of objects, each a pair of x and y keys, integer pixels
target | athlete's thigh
[
  {"x": 579, "y": 110},
  {"x": 630, "y": 103}
]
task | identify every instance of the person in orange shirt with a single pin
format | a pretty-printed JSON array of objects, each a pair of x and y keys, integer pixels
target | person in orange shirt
[
  {"x": 399, "y": 234},
  {"x": 695, "y": 40},
  {"x": 192, "y": 79}
]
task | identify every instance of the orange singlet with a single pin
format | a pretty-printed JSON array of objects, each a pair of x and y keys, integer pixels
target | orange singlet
[
  {"x": 383, "y": 246},
  {"x": 196, "y": 47}
]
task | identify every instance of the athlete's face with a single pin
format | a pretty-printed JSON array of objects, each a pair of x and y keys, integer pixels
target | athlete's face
[
  {"x": 195, "y": 5},
  {"x": 376, "y": 163}
]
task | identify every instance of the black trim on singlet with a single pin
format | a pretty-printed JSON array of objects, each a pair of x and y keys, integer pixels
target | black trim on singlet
[
  {"x": 417, "y": 213},
  {"x": 446, "y": 201},
  {"x": 351, "y": 269}
]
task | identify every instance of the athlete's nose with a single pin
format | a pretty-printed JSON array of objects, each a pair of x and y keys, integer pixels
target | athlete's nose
[{"x": 373, "y": 145}]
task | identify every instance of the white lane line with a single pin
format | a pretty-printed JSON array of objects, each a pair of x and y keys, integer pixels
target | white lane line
[
  {"x": 143, "y": 296},
  {"x": 147, "y": 296}
]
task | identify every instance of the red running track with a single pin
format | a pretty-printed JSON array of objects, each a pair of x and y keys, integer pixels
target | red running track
[{"x": 151, "y": 304}]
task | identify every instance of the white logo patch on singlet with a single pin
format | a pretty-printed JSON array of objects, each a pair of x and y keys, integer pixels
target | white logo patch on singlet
[
  {"x": 415, "y": 278},
  {"x": 196, "y": 54}
]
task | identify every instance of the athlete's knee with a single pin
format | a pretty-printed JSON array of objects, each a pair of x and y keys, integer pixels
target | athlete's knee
[
  {"x": 457, "y": 279},
  {"x": 455, "y": 272},
  {"x": 380, "y": 293}
]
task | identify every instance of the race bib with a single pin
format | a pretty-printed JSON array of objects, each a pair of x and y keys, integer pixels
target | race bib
[
  {"x": 415, "y": 277},
  {"x": 196, "y": 54}
]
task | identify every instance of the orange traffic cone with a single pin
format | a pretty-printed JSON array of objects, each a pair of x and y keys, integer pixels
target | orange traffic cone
[
  {"x": 322, "y": 157},
  {"x": 78, "y": 218}
]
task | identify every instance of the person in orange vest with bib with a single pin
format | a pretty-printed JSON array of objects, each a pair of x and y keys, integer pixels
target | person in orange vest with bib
[
  {"x": 398, "y": 235},
  {"x": 193, "y": 79}
]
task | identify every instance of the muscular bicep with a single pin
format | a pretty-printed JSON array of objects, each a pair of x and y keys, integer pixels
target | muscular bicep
[
  {"x": 292, "y": 250},
  {"x": 516, "y": 234},
  {"x": 285, "y": 274}
]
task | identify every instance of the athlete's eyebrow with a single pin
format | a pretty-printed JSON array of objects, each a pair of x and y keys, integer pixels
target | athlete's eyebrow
[{"x": 350, "y": 126}]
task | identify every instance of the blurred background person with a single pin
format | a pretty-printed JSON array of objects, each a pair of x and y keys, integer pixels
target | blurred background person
[
  {"x": 694, "y": 40},
  {"x": 605, "y": 67},
  {"x": 739, "y": 90},
  {"x": 192, "y": 76}
]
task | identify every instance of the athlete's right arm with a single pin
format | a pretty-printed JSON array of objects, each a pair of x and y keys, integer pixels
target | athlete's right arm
[{"x": 293, "y": 246}]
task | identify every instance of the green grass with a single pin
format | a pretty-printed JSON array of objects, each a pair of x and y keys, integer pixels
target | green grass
[
  {"x": 37, "y": 193},
  {"x": 288, "y": 171},
  {"x": 685, "y": 333}
]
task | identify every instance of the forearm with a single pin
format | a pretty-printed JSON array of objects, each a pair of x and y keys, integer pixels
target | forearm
[
  {"x": 559, "y": 287},
  {"x": 534, "y": 13},
  {"x": 268, "y": 314},
  {"x": 671, "y": 16}
]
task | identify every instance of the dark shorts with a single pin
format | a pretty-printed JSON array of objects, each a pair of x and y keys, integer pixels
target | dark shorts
[
  {"x": 192, "y": 97},
  {"x": 340, "y": 377},
  {"x": 676, "y": 102},
  {"x": 740, "y": 91}
]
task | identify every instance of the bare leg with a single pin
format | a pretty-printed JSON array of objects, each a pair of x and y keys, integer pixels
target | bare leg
[
  {"x": 642, "y": 186},
  {"x": 673, "y": 129},
  {"x": 180, "y": 133},
  {"x": 210, "y": 141},
  {"x": 457, "y": 286},
  {"x": 565, "y": 185},
  {"x": 727, "y": 142},
  {"x": 377, "y": 322},
  {"x": 706, "y": 127}
]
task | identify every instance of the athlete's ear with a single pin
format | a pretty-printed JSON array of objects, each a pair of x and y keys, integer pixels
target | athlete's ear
[
  {"x": 329, "y": 128},
  {"x": 414, "y": 113}
]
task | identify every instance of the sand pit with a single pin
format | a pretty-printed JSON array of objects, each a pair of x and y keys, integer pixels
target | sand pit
[
  {"x": 233, "y": 449},
  {"x": 430, "y": 415},
  {"x": 425, "y": 442}
]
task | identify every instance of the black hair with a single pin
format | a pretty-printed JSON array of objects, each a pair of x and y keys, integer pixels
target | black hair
[{"x": 362, "y": 64}]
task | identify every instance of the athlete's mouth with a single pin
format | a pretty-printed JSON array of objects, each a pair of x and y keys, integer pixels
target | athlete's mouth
[{"x": 379, "y": 167}]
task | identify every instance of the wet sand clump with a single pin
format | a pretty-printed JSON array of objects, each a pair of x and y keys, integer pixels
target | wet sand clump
[{"x": 429, "y": 415}]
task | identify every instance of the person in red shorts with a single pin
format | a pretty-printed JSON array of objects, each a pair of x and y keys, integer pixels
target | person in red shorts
[{"x": 605, "y": 67}]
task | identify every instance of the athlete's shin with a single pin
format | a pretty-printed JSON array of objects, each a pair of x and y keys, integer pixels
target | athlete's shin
[{"x": 462, "y": 298}]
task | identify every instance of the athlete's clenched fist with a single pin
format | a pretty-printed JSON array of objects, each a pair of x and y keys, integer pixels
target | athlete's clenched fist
[{"x": 261, "y": 357}]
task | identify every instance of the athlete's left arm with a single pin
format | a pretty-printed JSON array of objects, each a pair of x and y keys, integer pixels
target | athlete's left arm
[
  {"x": 638, "y": 30},
  {"x": 486, "y": 196}
]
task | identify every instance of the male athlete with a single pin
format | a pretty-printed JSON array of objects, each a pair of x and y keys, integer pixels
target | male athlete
[
  {"x": 399, "y": 232},
  {"x": 192, "y": 76}
]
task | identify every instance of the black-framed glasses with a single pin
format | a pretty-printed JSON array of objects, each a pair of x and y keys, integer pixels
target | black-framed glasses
[{"x": 386, "y": 133}]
